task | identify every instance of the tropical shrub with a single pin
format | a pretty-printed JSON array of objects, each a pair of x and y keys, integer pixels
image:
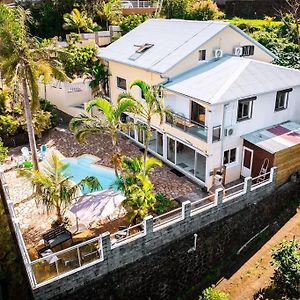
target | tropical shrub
[
  {"x": 163, "y": 203},
  {"x": 132, "y": 21},
  {"x": 3, "y": 152},
  {"x": 212, "y": 293},
  {"x": 8, "y": 125},
  {"x": 175, "y": 9},
  {"x": 79, "y": 61},
  {"x": 286, "y": 260},
  {"x": 204, "y": 10},
  {"x": 47, "y": 106}
]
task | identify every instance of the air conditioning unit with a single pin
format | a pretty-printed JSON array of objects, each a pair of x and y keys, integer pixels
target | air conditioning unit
[
  {"x": 238, "y": 51},
  {"x": 218, "y": 53},
  {"x": 228, "y": 131}
]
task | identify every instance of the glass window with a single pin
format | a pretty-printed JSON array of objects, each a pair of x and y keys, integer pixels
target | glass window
[
  {"x": 245, "y": 109},
  {"x": 282, "y": 99},
  {"x": 121, "y": 83},
  {"x": 185, "y": 158},
  {"x": 229, "y": 156},
  {"x": 140, "y": 132},
  {"x": 200, "y": 167},
  {"x": 216, "y": 133},
  {"x": 171, "y": 150},
  {"x": 153, "y": 139},
  {"x": 202, "y": 55},
  {"x": 160, "y": 143},
  {"x": 248, "y": 50}
]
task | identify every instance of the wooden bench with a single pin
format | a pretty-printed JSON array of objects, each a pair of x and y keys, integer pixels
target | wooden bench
[{"x": 56, "y": 236}]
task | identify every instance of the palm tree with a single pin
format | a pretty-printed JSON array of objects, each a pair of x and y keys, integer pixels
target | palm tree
[
  {"x": 109, "y": 122},
  {"x": 23, "y": 59},
  {"x": 153, "y": 106},
  {"x": 110, "y": 12},
  {"x": 76, "y": 20},
  {"x": 54, "y": 187}
]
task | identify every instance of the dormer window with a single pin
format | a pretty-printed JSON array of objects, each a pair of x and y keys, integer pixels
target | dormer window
[{"x": 202, "y": 55}]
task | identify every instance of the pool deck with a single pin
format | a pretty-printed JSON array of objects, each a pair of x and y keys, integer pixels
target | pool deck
[{"x": 34, "y": 221}]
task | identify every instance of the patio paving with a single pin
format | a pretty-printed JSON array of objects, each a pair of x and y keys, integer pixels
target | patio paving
[{"x": 34, "y": 221}]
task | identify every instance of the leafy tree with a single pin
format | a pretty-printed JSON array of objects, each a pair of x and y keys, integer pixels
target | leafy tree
[
  {"x": 204, "y": 10},
  {"x": 77, "y": 21},
  {"x": 175, "y": 9},
  {"x": 212, "y": 293},
  {"x": 23, "y": 59},
  {"x": 78, "y": 61},
  {"x": 110, "y": 12},
  {"x": 54, "y": 188},
  {"x": 286, "y": 260},
  {"x": 132, "y": 21},
  {"x": 3, "y": 152},
  {"x": 8, "y": 125},
  {"x": 153, "y": 106},
  {"x": 107, "y": 120}
]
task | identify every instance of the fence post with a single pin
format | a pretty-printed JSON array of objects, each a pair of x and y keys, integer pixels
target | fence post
[
  {"x": 273, "y": 174},
  {"x": 247, "y": 184},
  {"x": 106, "y": 244},
  {"x": 148, "y": 226},
  {"x": 219, "y": 196},
  {"x": 186, "y": 209}
]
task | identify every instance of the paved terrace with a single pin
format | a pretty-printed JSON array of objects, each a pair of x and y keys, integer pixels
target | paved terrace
[{"x": 34, "y": 221}]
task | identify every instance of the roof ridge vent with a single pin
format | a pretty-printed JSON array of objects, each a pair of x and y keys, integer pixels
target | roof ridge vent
[{"x": 143, "y": 48}]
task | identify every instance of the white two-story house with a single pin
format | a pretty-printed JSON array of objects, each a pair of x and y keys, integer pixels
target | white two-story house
[{"x": 220, "y": 85}]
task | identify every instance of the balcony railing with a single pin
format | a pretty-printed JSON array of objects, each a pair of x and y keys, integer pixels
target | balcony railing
[
  {"x": 141, "y": 4},
  {"x": 189, "y": 126}
]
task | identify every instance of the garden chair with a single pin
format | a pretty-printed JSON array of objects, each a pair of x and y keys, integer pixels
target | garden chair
[
  {"x": 25, "y": 154},
  {"x": 43, "y": 151}
]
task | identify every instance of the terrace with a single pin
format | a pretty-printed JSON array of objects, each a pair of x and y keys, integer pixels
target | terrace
[{"x": 86, "y": 247}]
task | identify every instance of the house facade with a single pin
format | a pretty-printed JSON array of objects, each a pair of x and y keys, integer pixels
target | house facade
[{"x": 219, "y": 84}]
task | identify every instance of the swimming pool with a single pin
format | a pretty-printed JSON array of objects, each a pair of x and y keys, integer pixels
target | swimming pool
[{"x": 84, "y": 166}]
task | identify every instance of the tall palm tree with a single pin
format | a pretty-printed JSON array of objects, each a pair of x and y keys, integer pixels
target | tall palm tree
[
  {"x": 99, "y": 82},
  {"x": 76, "y": 20},
  {"x": 23, "y": 59},
  {"x": 108, "y": 122},
  {"x": 153, "y": 106},
  {"x": 55, "y": 188}
]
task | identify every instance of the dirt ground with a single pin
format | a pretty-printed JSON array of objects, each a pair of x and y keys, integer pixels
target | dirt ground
[{"x": 256, "y": 272}]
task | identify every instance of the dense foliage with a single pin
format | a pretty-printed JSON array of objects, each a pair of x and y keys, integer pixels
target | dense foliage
[
  {"x": 79, "y": 60},
  {"x": 286, "y": 260},
  {"x": 212, "y": 293},
  {"x": 279, "y": 37},
  {"x": 3, "y": 152},
  {"x": 48, "y": 14},
  {"x": 193, "y": 10},
  {"x": 130, "y": 22}
]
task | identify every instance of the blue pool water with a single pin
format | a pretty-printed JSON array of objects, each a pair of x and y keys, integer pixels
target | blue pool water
[{"x": 84, "y": 166}]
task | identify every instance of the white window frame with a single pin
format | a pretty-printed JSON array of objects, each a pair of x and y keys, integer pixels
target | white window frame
[
  {"x": 286, "y": 94},
  {"x": 232, "y": 163},
  {"x": 250, "y": 110}
]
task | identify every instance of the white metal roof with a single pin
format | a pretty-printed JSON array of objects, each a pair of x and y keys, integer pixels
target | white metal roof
[
  {"x": 173, "y": 40},
  {"x": 232, "y": 78},
  {"x": 276, "y": 138}
]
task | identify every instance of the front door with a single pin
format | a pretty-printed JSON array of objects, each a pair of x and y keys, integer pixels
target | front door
[{"x": 247, "y": 162}]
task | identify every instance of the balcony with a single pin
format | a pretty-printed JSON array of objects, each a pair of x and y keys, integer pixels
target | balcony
[{"x": 191, "y": 127}]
